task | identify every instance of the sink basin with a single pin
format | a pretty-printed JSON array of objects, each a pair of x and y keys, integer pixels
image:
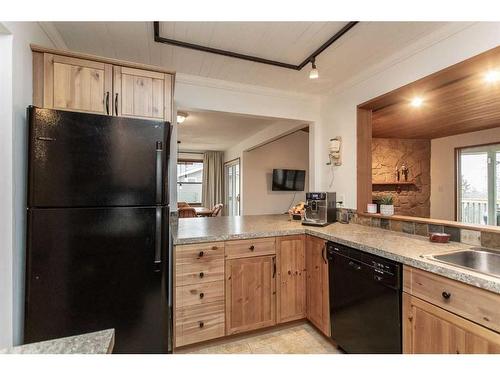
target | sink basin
[{"x": 476, "y": 259}]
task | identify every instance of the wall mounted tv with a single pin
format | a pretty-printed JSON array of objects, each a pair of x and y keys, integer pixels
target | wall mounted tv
[{"x": 288, "y": 179}]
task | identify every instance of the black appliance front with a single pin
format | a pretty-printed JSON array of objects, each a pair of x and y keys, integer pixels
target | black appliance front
[
  {"x": 88, "y": 160},
  {"x": 365, "y": 301},
  {"x": 90, "y": 269}
]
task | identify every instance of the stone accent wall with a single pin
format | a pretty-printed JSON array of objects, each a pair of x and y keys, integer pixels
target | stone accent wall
[{"x": 389, "y": 153}]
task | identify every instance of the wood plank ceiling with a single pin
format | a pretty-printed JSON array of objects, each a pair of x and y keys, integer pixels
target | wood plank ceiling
[
  {"x": 456, "y": 100},
  {"x": 364, "y": 45}
]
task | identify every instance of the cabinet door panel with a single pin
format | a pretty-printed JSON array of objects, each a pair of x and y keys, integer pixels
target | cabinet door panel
[
  {"x": 318, "y": 308},
  {"x": 291, "y": 278},
  {"x": 429, "y": 329},
  {"x": 250, "y": 293},
  {"x": 76, "y": 85}
]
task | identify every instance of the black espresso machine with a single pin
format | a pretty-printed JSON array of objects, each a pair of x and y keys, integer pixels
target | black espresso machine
[{"x": 320, "y": 209}]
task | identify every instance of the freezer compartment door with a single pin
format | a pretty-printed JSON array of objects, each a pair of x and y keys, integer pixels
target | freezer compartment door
[
  {"x": 94, "y": 269},
  {"x": 88, "y": 160}
]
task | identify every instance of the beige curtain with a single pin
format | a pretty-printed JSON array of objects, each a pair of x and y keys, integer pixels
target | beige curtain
[{"x": 213, "y": 174}]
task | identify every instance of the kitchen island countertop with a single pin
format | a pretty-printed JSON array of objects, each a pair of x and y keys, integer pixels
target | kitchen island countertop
[{"x": 404, "y": 248}]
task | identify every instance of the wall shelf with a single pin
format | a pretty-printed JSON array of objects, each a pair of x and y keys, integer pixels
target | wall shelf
[{"x": 396, "y": 184}]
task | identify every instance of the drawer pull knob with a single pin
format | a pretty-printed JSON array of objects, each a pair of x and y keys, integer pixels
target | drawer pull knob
[
  {"x": 201, "y": 275},
  {"x": 201, "y": 324},
  {"x": 200, "y": 254},
  {"x": 252, "y": 248},
  {"x": 446, "y": 295},
  {"x": 202, "y": 295},
  {"x": 214, "y": 247}
]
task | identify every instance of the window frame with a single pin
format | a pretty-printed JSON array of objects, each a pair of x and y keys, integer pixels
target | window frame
[{"x": 187, "y": 160}]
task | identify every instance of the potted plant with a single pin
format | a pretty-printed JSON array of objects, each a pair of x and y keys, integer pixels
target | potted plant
[{"x": 387, "y": 205}]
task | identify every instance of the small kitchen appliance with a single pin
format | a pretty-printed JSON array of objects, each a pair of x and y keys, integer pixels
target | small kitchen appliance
[{"x": 320, "y": 209}]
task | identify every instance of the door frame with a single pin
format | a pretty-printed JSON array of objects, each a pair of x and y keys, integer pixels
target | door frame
[{"x": 226, "y": 163}]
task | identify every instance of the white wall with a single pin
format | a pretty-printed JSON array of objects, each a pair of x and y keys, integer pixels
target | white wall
[
  {"x": 289, "y": 152},
  {"x": 443, "y": 168},
  {"x": 14, "y": 146},
  {"x": 452, "y": 44}
]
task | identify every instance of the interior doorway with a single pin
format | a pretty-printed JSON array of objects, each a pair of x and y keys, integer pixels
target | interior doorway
[{"x": 232, "y": 187}]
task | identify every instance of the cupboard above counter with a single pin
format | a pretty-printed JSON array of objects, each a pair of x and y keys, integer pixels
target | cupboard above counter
[{"x": 73, "y": 81}]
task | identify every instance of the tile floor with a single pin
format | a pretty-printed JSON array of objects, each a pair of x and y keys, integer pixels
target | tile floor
[{"x": 298, "y": 338}]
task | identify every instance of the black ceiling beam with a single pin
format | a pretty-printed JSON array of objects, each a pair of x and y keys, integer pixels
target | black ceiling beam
[{"x": 310, "y": 58}]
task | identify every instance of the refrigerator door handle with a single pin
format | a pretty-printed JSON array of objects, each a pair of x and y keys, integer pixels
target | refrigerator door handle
[
  {"x": 159, "y": 171},
  {"x": 158, "y": 235}
]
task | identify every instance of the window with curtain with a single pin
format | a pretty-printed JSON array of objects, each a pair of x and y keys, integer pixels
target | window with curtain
[{"x": 189, "y": 181}]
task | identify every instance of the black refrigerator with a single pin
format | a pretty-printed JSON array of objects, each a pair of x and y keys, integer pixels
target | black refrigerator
[{"x": 98, "y": 233}]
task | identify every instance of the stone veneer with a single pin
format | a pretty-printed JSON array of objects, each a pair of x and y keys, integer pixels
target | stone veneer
[{"x": 391, "y": 153}]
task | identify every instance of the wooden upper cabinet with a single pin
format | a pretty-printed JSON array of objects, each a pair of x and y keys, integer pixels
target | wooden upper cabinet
[
  {"x": 428, "y": 329},
  {"x": 318, "y": 308},
  {"x": 142, "y": 93},
  {"x": 76, "y": 85},
  {"x": 78, "y": 82},
  {"x": 250, "y": 293},
  {"x": 291, "y": 278}
]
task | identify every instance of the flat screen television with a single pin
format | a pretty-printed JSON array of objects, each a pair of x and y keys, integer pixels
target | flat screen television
[{"x": 288, "y": 179}]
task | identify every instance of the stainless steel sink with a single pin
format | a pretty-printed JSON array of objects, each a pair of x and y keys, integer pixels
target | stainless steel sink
[{"x": 476, "y": 259}]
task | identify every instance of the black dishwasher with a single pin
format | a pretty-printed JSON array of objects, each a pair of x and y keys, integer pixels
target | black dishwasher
[{"x": 365, "y": 301}]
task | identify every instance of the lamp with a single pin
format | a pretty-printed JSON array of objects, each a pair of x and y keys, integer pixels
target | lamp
[
  {"x": 181, "y": 117},
  {"x": 313, "y": 74}
]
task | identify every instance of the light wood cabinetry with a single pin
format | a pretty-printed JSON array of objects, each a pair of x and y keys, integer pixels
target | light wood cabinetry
[
  {"x": 250, "y": 248},
  {"x": 478, "y": 305},
  {"x": 429, "y": 329},
  {"x": 199, "y": 293},
  {"x": 250, "y": 293},
  {"x": 141, "y": 93},
  {"x": 70, "y": 81},
  {"x": 291, "y": 278},
  {"x": 318, "y": 309}
]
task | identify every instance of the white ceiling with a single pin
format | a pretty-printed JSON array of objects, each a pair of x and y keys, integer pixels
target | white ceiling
[
  {"x": 218, "y": 131},
  {"x": 364, "y": 45}
]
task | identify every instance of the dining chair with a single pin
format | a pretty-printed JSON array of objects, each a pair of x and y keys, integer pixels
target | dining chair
[
  {"x": 182, "y": 204},
  {"x": 185, "y": 212},
  {"x": 217, "y": 210}
]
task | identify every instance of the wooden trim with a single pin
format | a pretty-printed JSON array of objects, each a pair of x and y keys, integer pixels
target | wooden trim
[
  {"x": 239, "y": 183},
  {"x": 169, "y": 97},
  {"x": 78, "y": 62},
  {"x": 38, "y": 79},
  {"x": 48, "y": 81},
  {"x": 364, "y": 158},
  {"x": 106, "y": 60},
  {"x": 142, "y": 73},
  {"x": 232, "y": 161}
]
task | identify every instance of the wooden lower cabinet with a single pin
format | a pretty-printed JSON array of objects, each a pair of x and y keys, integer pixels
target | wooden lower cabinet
[
  {"x": 318, "y": 307},
  {"x": 291, "y": 278},
  {"x": 429, "y": 329},
  {"x": 250, "y": 293}
]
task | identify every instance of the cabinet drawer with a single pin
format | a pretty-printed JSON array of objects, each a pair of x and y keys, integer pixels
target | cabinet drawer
[
  {"x": 199, "y": 323},
  {"x": 250, "y": 248},
  {"x": 199, "y": 263},
  {"x": 473, "y": 303},
  {"x": 199, "y": 294}
]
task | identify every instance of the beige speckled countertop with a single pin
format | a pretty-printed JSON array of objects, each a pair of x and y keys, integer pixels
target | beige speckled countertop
[
  {"x": 404, "y": 248},
  {"x": 100, "y": 342}
]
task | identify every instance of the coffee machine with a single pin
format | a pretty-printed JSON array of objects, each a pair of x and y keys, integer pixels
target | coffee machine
[{"x": 320, "y": 209}]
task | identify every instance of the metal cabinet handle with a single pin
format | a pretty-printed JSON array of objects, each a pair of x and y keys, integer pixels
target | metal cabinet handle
[
  {"x": 274, "y": 267},
  {"x": 201, "y": 324},
  {"x": 323, "y": 254},
  {"x": 116, "y": 104},
  {"x": 252, "y": 248},
  {"x": 446, "y": 295},
  {"x": 201, "y": 275},
  {"x": 202, "y": 295},
  {"x": 200, "y": 254},
  {"x": 107, "y": 102}
]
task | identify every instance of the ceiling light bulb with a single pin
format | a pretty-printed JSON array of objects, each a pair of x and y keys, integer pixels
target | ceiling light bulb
[
  {"x": 313, "y": 74},
  {"x": 417, "y": 101},
  {"x": 181, "y": 117},
  {"x": 492, "y": 76}
]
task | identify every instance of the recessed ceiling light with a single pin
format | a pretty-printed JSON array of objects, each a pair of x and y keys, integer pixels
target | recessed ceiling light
[
  {"x": 181, "y": 117},
  {"x": 417, "y": 101},
  {"x": 492, "y": 76}
]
